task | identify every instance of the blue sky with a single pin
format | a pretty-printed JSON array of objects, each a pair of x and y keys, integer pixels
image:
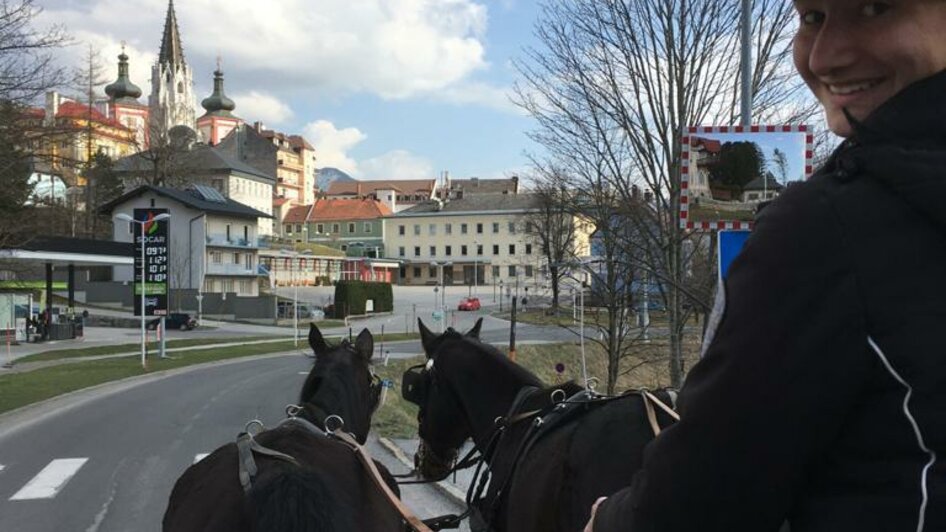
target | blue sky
[{"x": 382, "y": 88}]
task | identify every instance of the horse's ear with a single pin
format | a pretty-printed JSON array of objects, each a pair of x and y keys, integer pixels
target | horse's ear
[
  {"x": 364, "y": 344},
  {"x": 475, "y": 331},
  {"x": 426, "y": 337},
  {"x": 316, "y": 342}
]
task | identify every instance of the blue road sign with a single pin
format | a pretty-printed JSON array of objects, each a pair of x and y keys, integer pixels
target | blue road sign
[{"x": 730, "y": 244}]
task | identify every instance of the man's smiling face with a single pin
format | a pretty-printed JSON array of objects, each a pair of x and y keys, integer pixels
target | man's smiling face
[{"x": 857, "y": 54}]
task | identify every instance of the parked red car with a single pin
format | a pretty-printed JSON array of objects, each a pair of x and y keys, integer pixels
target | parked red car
[{"x": 469, "y": 303}]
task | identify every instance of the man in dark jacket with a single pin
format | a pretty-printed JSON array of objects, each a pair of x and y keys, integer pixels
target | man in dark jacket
[{"x": 821, "y": 399}]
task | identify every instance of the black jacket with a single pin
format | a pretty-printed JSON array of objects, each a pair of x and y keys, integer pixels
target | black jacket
[{"x": 822, "y": 397}]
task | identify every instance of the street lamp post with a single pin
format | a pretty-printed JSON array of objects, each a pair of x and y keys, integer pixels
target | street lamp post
[
  {"x": 141, "y": 223},
  {"x": 443, "y": 292}
]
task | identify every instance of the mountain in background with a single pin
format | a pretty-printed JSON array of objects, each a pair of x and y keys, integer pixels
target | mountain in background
[{"x": 326, "y": 176}]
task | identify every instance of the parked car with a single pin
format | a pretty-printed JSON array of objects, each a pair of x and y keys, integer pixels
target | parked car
[
  {"x": 469, "y": 303},
  {"x": 175, "y": 320}
]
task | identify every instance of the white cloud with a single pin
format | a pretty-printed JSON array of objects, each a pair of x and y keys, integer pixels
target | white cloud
[
  {"x": 391, "y": 48},
  {"x": 396, "y": 164},
  {"x": 332, "y": 145},
  {"x": 260, "y": 106},
  {"x": 481, "y": 94}
]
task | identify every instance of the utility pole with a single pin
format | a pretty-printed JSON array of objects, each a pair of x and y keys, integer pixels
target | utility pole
[{"x": 746, "y": 62}]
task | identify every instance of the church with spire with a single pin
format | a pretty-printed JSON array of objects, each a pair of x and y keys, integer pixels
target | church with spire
[{"x": 172, "y": 99}]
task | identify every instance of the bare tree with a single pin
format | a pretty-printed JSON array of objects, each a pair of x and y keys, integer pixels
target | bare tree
[
  {"x": 27, "y": 70},
  {"x": 552, "y": 225},
  {"x": 614, "y": 84}
]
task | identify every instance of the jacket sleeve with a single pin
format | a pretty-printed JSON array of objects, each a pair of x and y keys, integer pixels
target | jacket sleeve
[{"x": 788, "y": 360}]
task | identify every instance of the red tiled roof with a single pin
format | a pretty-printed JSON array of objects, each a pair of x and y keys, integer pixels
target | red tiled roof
[
  {"x": 279, "y": 202},
  {"x": 710, "y": 145},
  {"x": 297, "y": 215},
  {"x": 345, "y": 188},
  {"x": 348, "y": 209},
  {"x": 79, "y": 111}
]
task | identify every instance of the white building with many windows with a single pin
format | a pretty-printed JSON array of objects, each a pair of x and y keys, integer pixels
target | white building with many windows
[
  {"x": 483, "y": 233},
  {"x": 214, "y": 240}
]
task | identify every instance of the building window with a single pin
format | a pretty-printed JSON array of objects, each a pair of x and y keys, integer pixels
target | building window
[
  {"x": 367, "y": 227},
  {"x": 236, "y": 258},
  {"x": 227, "y": 285},
  {"x": 495, "y": 249},
  {"x": 528, "y": 249},
  {"x": 512, "y": 249},
  {"x": 288, "y": 229},
  {"x": 495, "y": 227},
  {"x": 528, "y": 270},
  {"x": 400, "y": 251},
  {"x": 448, "y": 229},
  {"x": 463, "y": 250},
  {"x": 433, "y": 251},
  {"x": 448, "y": 251},
  {"x": 417, "y": 251},
  {"x": 479, "y": 229},
  {"x": 246, "y": 234},
  {"x": 416, "y": 229},
  {"x": 462, "y": 229},
  {"x": 319, "y": 228},
  {"x": 479, "y": 249},
  {"x": 249, "y": 261},
  {"x": 512, "y": 228},
  {"x": 432, "y": 229},
  {"x": 344, "y": 247},
  {"x": 400, "y": 230},
  {"x": 215, "y": 257},
  {"x": 228, "y": 231},
  {"x": 351, "y": 228},
  {"x": 417, "y": 272},
  {"x": 512, "y": 270},
  {"x": 496, "y": 273},
  {"x": 298, "y": 229},
  {"x": 432, "y": 272},
  {"x": 336, "y": 228}
]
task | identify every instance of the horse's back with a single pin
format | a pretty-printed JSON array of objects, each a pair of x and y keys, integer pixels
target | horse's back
[
  {"x": 331, "y": 491},
  {"x": 591, "y": 456}
]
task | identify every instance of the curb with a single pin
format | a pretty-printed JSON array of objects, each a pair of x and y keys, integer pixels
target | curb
[
  {"x": 450, "y": 491},
  {"x": 28, "y": 415}
]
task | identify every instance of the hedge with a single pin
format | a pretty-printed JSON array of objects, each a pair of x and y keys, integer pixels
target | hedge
[{"x": 351, "y": 296}]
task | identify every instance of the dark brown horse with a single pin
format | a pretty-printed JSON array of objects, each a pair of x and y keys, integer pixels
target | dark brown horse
[
  {"x": 545, "y": 474},
  {"x": 322, "y": 487}
]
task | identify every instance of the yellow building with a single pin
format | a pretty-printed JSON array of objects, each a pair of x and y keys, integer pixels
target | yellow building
[{"x": 66, "y": 134}]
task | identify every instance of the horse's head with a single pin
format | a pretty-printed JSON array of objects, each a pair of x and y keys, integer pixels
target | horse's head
[
  {"x": 443, "y": 424},
  {"x": 341, "y": 383}
]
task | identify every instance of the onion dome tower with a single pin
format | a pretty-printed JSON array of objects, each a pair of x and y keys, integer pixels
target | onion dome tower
[
  {"x": 123, "y": 104},
  {"x": 218, "y": 121}
]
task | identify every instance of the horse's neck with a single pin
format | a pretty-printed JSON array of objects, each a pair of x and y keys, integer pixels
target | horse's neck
[{"x": 489, "y": 394}]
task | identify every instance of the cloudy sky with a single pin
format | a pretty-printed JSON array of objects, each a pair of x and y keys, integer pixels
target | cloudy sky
[{"x": 382, "y": 88}]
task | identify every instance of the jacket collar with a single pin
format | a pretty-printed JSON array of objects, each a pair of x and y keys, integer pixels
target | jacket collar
[{"x": 915, "y": 114}]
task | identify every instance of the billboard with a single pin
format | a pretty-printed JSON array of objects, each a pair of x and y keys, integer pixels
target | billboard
[
  {"x": 729, "y": 172},
  {"x": 156, "y": 260}
]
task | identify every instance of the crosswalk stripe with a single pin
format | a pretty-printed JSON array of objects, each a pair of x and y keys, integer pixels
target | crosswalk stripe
[
  {"x": 50, "y": 480},
  {"x": 199, "y": 457}
]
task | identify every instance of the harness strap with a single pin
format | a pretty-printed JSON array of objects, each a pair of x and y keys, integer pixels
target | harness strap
[
  {"x": 412, "y": 520},
  {"x": 663, "y": 406},
  {"x": 246, "y": 446},
  {"x": 651, "y": 414}
]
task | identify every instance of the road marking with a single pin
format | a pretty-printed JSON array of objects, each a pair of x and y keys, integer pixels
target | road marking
[
  {"x": 50, "y": 480},
  {"x": 199, "y": 457}
]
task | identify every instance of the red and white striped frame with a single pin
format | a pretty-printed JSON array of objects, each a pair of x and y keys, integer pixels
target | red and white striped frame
[{"x": 719, "y": 225}]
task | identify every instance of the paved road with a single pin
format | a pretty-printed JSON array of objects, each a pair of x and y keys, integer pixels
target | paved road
[{"x": 110, "y": 460}]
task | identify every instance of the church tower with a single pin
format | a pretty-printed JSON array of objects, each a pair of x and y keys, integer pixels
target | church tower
[
  {"x": 123, "y": 104},
  {"x": 172, "y": 85},
  {"x": 218, "y": 121}
]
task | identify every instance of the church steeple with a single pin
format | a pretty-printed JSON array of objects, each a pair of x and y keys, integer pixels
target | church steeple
[{"x": 172, "y": 52}]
